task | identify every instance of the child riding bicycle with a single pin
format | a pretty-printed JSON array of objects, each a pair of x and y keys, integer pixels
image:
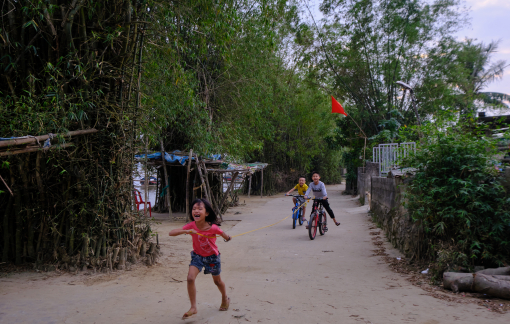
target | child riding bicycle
[
  {"x": 319, "y": 190},
  {"x": 301, "y": 187}
]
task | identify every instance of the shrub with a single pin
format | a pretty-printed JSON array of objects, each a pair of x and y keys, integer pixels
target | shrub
[{"x": 459, "y": 200}]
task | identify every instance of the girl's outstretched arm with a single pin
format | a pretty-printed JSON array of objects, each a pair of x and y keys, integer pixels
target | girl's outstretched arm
[
  {"x": 179, "y": 231},
  {"x": 226, "y": 237}
]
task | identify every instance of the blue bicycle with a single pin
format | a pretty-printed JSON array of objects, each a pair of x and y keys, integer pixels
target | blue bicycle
[{"x": 297, "y": 211}]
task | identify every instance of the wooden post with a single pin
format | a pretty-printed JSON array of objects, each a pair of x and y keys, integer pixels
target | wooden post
[
  {"x": 221, "y": 181},
  {"x": 249, "y": 186},
  {"x": 201, "y": 177},
  {"x": 146, "y": 184},
  {"x": 261, "y": 183},
  {"x": 228, "y": 190},
  {"x": 166, "y": 179},
  {"x": 213, "y": 201},
  {"x": 187, "y": 181}
]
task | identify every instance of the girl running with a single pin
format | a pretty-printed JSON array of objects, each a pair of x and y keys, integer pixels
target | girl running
[{"x": 203, "y": 229}]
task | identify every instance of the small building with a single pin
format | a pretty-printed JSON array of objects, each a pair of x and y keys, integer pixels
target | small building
[{"x": 189, "y": 176}]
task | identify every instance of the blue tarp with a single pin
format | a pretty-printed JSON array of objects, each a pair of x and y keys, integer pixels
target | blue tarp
[
  {"x": 173, "y": 157},
  {"x": 11, "y": 138}
]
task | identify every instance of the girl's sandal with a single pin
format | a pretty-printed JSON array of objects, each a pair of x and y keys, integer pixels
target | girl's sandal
[
  {"x": 188, "y": 314},
  {"x": 337, "y": 223},
  {"x": 224, "y": 307}
]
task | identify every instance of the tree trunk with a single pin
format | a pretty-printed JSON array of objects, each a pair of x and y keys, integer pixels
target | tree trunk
[
  {"x": 458, "y": 281},
  {"x": 503, "y": 271},
  {"x": 491, "y": 285}
]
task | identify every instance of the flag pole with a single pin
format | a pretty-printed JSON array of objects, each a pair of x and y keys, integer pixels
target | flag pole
[
  {"x": 365, "y": 137},
  {"x": 336, "y": 107}
]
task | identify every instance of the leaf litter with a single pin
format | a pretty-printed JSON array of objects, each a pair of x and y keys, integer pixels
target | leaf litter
[{"x": 412, "y": 272}]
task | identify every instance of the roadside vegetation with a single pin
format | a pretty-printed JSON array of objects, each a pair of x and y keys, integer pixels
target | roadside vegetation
[
  {"x": 250, "y": 79},
  {"x": 458, "y": 197}
]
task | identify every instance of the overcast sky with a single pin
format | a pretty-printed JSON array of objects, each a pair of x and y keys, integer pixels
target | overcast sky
[{"x": 489, "y": 20}]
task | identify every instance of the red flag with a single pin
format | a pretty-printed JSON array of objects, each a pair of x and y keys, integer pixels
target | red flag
[{"x": 336, "y": 107}]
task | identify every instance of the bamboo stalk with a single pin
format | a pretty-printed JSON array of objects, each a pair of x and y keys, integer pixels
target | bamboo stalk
[
  {"x": 5, "y": 252},
  {"x": 98, "y": 246},
  {"x": 36, "y": 139},
  {"x": 36, "y": 149},
  {"x": 122, "y": 259},
  {"x": 85, "y": 246},
  {"x": 23, "y": 168},
  {"x": 6, "y": 185},
  {"x": 115, "y": 254},
  {"x": 187, "y": 181},
  {"x": 166, "y": 178}
]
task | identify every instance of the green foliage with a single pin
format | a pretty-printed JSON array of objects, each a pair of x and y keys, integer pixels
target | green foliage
[
  {"x": 457, "y": 74},
  {"x": 68, "y": 66},
  {"x": 234, "y": 87},
  {"x": 458, "y": 198}
]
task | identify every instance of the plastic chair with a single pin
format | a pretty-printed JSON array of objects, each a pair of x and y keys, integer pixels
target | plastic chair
[{"x": 139, "y": 201}]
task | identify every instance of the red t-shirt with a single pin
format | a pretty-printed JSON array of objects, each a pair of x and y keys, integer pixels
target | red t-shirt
[{"x": 204, "y": 245}]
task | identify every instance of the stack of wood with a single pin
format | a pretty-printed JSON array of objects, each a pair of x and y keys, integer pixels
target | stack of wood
[
  {"x": 217, "y": 202},
  {"x": 493, "y": 282},
  {"x": 35, "y": 143}
]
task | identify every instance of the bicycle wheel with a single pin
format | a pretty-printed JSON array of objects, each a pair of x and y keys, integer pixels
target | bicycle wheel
[
  {"x": 322, "y": 222},
  {"x": 312, "y": 226},
  {"x": 300, "y": 216},
  {"x": 294, "y": 217}
]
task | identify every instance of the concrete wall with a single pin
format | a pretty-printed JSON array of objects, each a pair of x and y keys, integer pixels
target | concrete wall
[
  {"x": 365, "y": 179},
  {"x": 387, "y": 196}
]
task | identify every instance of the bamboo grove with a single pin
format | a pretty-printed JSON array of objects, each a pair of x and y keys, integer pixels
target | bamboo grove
[
  {"x": 67, "y": 66},
  {"x": 212, "y": 76}
]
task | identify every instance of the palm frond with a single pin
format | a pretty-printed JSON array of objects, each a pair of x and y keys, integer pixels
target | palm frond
[{"x": 495, "y": 99}]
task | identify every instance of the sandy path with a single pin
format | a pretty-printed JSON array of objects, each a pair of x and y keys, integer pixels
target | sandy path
[{"x": 275, "y": 275}]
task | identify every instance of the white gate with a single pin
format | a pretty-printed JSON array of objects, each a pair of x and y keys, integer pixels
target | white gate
[{"x": 388, "y": 155}]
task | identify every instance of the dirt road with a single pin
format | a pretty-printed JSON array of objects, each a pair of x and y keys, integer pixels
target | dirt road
[{"x": 274, "y": 275}]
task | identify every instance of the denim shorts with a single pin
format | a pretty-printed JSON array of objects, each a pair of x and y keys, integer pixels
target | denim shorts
[{"x": 211, "y": 263}]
